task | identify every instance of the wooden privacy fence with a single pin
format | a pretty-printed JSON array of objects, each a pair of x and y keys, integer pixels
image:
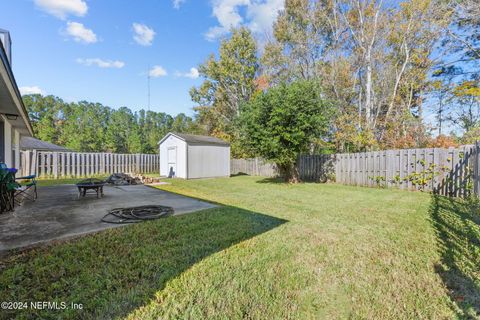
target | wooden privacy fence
[
  {"x": 310, "y": 167},
  {"x": 448, "y": 172},
  {"x": 451, "y": 172},
  {"x": 253, "y": 167},
  {"x": 82, "y": 164},
  {"x": 318, "y": 167}
]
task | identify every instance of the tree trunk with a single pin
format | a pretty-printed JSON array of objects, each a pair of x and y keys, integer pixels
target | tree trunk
[
  {"x": 289, "y": 172},
  {"x": 368, "y": 91}
]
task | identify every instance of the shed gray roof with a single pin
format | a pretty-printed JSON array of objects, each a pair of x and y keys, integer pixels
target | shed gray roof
[
  {"x": 29, "y": 143},
  {"x": 193, "y": 139}
]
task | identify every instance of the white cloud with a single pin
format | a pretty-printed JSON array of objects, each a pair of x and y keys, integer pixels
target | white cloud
[
  {"x": 101, "y": 63},
  {"x": 62, "y": 8},
  {"x": 80, "y": 33},
  {"x": 216, "y": 32},
  {"x": 31, "y": 90},
  {"x": 259, "y": 17},
  {"x": 157, "y": 71},
  {"x": 262, "y": 15},
  {"x": 178, "y": 3},
  {"x": 228, "y": 16},
  {"x": 143, "y": 35},
  {"x": 193, "y": 74}
]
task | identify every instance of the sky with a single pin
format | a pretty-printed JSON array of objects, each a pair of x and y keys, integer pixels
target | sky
[{"x": 104, "y": 50}]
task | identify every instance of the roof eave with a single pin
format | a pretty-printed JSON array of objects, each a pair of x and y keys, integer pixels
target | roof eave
[
  {"x": 199, "y": 143},
  {"x": 168, "y": 135},
  {"x": 17, "y": 97},
  {"x": 208, "y": 144}
]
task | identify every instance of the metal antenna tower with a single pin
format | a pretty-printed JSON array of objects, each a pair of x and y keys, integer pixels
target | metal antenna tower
[{"x": 148, "y": 88}]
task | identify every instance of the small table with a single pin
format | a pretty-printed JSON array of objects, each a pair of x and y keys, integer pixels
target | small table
[{"x": 90, "y": 184}]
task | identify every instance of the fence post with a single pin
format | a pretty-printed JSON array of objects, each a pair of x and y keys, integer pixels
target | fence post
[
  {"x": 55, "y": 165},
  {"x": 49, "y": 163},
  {"x": 34, "y": 166},
  {"x": 27, "y": 163},
  {"x": 42, "y": 164},
  {"x": 62, "y": 164},
  {"x": 89, "y": 163},
  {"x": 68, "y": 164}
]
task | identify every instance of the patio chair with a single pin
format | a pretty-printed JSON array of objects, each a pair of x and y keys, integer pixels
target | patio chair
[
  {"x": 22, "y": 191},
  {"x": 7, "y": 188}
]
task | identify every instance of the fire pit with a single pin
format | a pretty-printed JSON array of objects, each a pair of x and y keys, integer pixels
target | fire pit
[{"x": 90, "y": 184}]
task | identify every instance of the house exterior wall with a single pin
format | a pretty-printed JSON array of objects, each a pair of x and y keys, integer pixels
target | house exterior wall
[
  {"x": 2, "y": 140},
  {"x": 181, "y": 155},
  {"x": 206, "y": 161},
  {"x": 11, "y": 106},
  {"x": 10, "y": 98},
  {"x": 7, "y": 142}
]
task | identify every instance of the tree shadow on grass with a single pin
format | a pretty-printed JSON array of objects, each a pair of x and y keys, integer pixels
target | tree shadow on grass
[
  {"x": 239, "y": 174},
  {"x": 269, "y": 180},
  {"x": 275, "y": 180},
  {"x": 113, "y": 272},
  {"x": 458, "y": 233},
  {"x": 280, "y": 180}
]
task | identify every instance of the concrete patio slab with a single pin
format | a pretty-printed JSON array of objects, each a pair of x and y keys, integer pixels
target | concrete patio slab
[{"x": 58, "y": 213}]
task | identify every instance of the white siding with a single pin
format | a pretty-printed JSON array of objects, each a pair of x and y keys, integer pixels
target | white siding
[
  {"x": 181, "y": 153},
  {"x": 206, "y": 161},
  {"x": 8, "y": 142}
]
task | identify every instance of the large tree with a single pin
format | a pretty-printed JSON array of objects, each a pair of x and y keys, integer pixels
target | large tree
[
  {"x": 229, "y": 81},
  {"x": 458, "y": 73},
  {"x": 285, "y": 121},
  {"x": 84, "y": 126},
  {"x": 371, "y": 56},
  {"x": 46, "y": 116}
]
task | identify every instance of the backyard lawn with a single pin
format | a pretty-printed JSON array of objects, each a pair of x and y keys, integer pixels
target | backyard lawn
[{"x": 272, "y": 251}]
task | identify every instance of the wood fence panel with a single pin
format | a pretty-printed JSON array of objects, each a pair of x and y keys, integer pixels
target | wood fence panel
[
  {"x": 48, "y": 162},
  {"x": 446, "y": 171},
  {"x": 28, "y": 165},
  {"x": 73, "y": 164},
  {"x": 457, "y": 170},
  {"x": 68, "y": 164},
  {"x": 310, "y": 167},
  {"x": 55, "y": 164}
]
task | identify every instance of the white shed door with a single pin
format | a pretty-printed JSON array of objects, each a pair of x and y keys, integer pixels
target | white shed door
[{"x": 172, "y": 161}]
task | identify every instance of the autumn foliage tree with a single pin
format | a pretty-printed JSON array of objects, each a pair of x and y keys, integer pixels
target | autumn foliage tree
[
  {"x": 228, "y": 82},
  {"x": 399, "y": 74},
  {"x": 371, "y": 56}
]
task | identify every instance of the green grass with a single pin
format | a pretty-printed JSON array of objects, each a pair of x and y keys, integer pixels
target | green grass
[
  {"x": 457, "y": 225},
  {"x": 274, "y": 251}
]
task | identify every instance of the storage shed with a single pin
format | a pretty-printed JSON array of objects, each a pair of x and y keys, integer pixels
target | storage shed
[{"x": 190, "y": 156}]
